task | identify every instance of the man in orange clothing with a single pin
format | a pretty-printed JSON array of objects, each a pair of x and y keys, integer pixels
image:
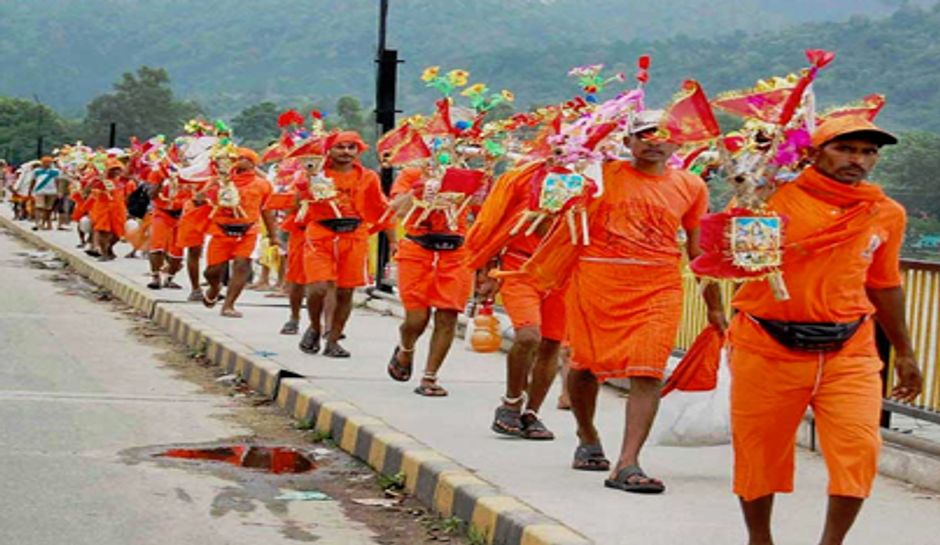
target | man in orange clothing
[
  {"x": 336, "y": 239},
  {"x": 538, "y": 316},
  {"x": 234, "y": 230},
  {"x": 432, "y": 275},
  {"x": 817, "y": 349},
  {"x": 108, "y": 209},
  {"x": 624, "y": 300},
  {"x": 167, "y": 199}
]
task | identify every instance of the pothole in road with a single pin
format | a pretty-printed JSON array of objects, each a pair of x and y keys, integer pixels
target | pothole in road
[{"x": 277, "y": 460}]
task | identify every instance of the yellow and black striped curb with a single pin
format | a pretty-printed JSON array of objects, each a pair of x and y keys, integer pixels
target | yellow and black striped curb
[
  {"x": 440, "y": 483},
  {"x": 437, "y": 481}
]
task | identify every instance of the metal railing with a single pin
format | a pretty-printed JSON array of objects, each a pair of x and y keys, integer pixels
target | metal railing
[{"x": 922, "y": 291}]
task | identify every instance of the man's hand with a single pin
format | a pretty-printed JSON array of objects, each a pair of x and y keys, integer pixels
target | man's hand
[
  {"x": 718, "y": 319},
  {"x": 486, "y": 286},
  {"x": 909, "y": 380},
  {"x": 392, "y": 248}
]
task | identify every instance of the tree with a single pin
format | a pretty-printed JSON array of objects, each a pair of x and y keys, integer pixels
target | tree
[
  {"x": 142, "y": 105},
  {"x": 256, "y": 125},
  {"x": 909, "y": 173},
  {"x": 23, "y": 121}
]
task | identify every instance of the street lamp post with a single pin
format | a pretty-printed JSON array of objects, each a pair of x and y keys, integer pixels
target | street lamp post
[{"x": 385, "y": 83}]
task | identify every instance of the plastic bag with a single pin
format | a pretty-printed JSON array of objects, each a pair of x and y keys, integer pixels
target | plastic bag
[{"x": 695, "y": 419}]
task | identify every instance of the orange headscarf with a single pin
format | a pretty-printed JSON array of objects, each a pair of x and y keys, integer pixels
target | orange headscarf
[{"x": 349, "y": 137}]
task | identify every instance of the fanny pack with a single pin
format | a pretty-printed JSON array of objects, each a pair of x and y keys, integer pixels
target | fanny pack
[
  {"x": 175, "y": 214},
  {"x": 810, "y": 336},
  {"x": 341, "y": 225},
  {"x": 235, "y": 229},
  {"x": 437, "y": 242}
]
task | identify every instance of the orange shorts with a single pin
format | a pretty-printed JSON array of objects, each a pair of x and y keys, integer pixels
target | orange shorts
[
  {"x": 295, "y": 258},
  {"x": 527, "y": 306},
  {"x": 343, "y": 260},
  {"x": 428, "y": 279},
  {"x": 163, "y": 228},
  {"x": 223, "y": 248},
  {"x": 770, "y": 395},
  {"x": 622, "y": 319},
  {"x": 108, "y": 215},
  {"x": 193, "y": 225}
]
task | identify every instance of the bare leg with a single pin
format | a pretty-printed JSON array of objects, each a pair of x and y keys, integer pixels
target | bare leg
[
  {"x": 641, "y": 411},
  {"x": 564, "y": 359},
  {"x": 519, "y": 364},
  {"x": 156, "y": 265},
  {"x": 213, "y": 276},
  {"x": 340, "y": 315},
  {"x": 329, "y": 308},
  {"x": 839, "y": 519},
  {"x": 583, "y": 388},
  {"x": 192, "y": 267},
  {"x": 445, "y": 326},
  {"x": 316, "y": 293},
  {"x": 416, "y": 321},
  {"x": 543, "y": 373},
  {"x": 241, "y": 271},
  {"x": 295, "y": 294},
  {"x": 757, "y": 518}
]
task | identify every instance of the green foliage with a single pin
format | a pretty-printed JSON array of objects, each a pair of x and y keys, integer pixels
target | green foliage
[
  {"x": 141, "y": 104},
  {"x": 256, "y": 126},
  {"x": 392, "y": 482},
  {"x": 22, "y": 121},
  {"x": 909, "y": 173}
]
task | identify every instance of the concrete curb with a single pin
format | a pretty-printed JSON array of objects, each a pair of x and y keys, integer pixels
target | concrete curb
[{"x": 436, "y": 481}]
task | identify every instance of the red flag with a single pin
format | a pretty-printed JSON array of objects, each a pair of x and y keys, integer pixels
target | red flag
[
  {"x": 412, "y": 149},
  {"x": 392, "y": 139},
  {"x": 868, "y": 108},
  {"x": 311, "y": 146},
  {"x": 766, "y": 106},
  {"x": 690, "y": 117},
  {"x": 462, "y": 180}
]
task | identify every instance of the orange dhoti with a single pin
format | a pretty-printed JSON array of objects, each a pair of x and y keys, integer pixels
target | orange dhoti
[
  {"x": 295, "y": 258},
  {"x": 224, "y": 248},
  {"x": 529, "y": 306},
  {"x": 771, "y": 389},
  {"x": 193, "y": 225},
  {"x": 626, "y": 328},
  {"x": 108, "y": 215},
  {"x": 429, "y": 279},
  {"x": 163, "y": 234},
  {"x": 340, "y": 259}
]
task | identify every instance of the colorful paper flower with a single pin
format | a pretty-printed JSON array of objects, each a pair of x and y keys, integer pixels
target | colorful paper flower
[
  {"x": 430, "y": 73},
  {"x": 475, "y": 89},
  {"x": 458, "y": 78},
  {"x": 507, "y": 95}
]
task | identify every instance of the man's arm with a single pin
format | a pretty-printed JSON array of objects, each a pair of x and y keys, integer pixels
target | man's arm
[
  {"x": 267, "y": 216},
  {"x": 889, "y": 313},
  {"x": 711, "y": 291}
]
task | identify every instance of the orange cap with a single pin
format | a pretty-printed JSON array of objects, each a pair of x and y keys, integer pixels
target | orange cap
[
  {"x": 248, "y": 153},
  {"x": 46, "y": 161},
  {"x": 113, "y": 163},
  {"x": 349, "y": 137},
  {"x": 841, "y": 126}
]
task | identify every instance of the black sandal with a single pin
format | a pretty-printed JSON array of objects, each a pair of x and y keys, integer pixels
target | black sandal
[
  {"x": 310, "y": 343},
  {"x": 396, "y": 369},
  {"x": 334, "y": 350},
  {"x": 290, "y": 327},
  {"x": 635, "y": 480},
  {"x": 430, "y": 388},
  {"x": 590, "y": 458},
  {"x": 507, "y": 421},
  {"x": 534, "y": 429}
]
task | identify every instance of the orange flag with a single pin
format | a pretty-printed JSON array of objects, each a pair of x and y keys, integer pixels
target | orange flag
[
  {"x": 868, "y": 108},
  {"x": 766, "y": 106}
]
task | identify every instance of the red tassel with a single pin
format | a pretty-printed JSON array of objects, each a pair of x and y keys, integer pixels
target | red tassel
[
  {"x": 643, "y": 76},
  {"x": 316, "y": 114},
  {"x": 820, "y": 58},
  {"x": 643, "y": 62},
  {"x": 290, "y": 117}
]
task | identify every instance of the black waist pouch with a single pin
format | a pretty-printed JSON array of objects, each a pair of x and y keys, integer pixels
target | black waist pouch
[
  {"x": 175, "y": 214},
  {"x": 235, "y": 229},
  {"x": 341, "y": 225},
  {"x": 437, "y": 242},
  {"x": 810, "y": 336}
]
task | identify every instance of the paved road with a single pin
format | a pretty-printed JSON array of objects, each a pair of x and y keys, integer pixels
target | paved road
[
  {"x": 77, "y": 391},
  {"x": 698, "y": 508}
]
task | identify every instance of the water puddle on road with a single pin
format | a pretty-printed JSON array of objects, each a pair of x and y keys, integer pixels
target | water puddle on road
[{"x": 277, "y": 460}]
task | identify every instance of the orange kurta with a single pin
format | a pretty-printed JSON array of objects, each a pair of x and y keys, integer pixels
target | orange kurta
[
  {"x": 526, "y": 304},
  {"x": 343, "y": 257},
  {"x": 108, "y": 210},
  {"x": 839, "y": 241},
  {"x": 624, "y": 301},
  {"x": 167, "y": 210},
  {"x": 253, "y": 191},
  {"x": 427, "y": 278}
]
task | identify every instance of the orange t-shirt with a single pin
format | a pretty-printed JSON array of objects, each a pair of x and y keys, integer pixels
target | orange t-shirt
[
  {"x": 359, "y": 195},
  {"x": 436, "y": 222},
  {"x": 828, "y": 286},
  {"x": 253, "y": 192},
  {"x": 163, "y": 200},
  {"x": 638, "y": 216}
]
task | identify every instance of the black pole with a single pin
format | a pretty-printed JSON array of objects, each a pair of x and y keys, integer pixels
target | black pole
[
  {"x": 39, "y": 147},
  {"x": 385, "y": 83},
  {"x": 38, "y": 127},
  {"x": 112, "y": 137}
]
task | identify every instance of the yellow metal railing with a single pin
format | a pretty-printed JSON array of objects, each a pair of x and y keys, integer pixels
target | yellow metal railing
[{"x": 922, "y": 291}]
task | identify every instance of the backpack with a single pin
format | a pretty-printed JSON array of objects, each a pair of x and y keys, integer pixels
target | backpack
[{"x": 138, "y": 202}]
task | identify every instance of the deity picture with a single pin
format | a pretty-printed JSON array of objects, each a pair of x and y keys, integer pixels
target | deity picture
[{"x": 755, "y": 242}]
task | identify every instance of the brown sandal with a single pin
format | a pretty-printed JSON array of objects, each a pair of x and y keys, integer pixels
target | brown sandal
[
  {"x": 396, "y": 369},
  {"x": 430, "y": 388}
]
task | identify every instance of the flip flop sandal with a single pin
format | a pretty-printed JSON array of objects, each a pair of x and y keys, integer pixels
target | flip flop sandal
[
  {"x": 155, "y": 284},
  {"x": 291, "y": 327},
  {"x": 507, "y": 421},
  {"x": 231, "y": 314},
  {"x": 335, "y": 351},
  {"x": 397, "y": 370},
  {"x": 342, "y": 336},
  {"x": 590, "y": 458},
  {"x": 171, "y": 285},
  {"x": 430, "y": 388},
  {"x": 534, "y": 429},
  {"x": 310, "y": 343},
  {"x": 195, "y": 296},
  {"x": 633, "y": 479},
  {"x": 209, "y": 303},
  {"x": 93, "y": 253}
]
